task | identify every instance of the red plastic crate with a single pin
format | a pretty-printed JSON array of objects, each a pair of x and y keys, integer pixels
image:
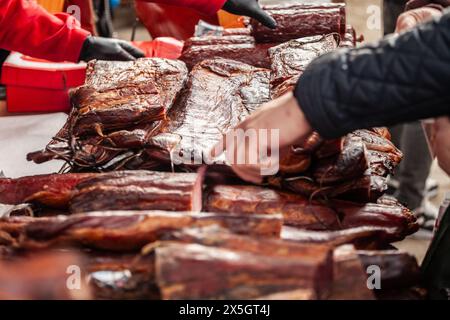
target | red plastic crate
[
  {"x": 163, "y": 47},
  {"x": 35, "y": 85}
]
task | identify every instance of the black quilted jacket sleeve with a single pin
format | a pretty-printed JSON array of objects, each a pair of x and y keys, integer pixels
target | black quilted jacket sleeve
[{"x": 400, "y": 79}]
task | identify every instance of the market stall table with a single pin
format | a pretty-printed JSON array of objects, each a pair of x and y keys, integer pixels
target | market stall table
[{"x": 20, "y": 133}]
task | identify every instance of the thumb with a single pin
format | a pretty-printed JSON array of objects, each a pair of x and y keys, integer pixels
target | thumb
[
  {"x": 263, "y": 17},
  {"x": 135, "y": 52},
  {"x": 123, "y": 55}
]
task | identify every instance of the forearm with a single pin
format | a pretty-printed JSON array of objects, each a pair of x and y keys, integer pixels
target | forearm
[
  {"x": 29, "y": 29},
  {"x": 399, "y": 79},
  {"x": 209, "y": 7}
]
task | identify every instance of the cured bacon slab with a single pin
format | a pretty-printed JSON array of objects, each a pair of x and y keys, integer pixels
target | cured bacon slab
[
  {"x": 121, "y": 102},
  {"x": 395, "y": 220},
  {"x": 121, "y": 190},
  {"x": 216, "y": 236},
  {"x": 53, "y": 190},
  {"x": 139, "y": 190},
  {"x": 289, "y": 60},
  {"x": 249, "y": 200},
  {"x": 167, "y": 76},
  {"x": 220, "y": 93},
  {"x": 193, "y": 271},
  {"x": 235, "y": 47},
  {"x": 300, "y": 20},
  {"x": 125, "y": 230}
]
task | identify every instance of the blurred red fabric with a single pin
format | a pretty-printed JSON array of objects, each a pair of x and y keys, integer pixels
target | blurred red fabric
[
  {"x": 170, "y": 21},
  {"x": 87, "y": 14}
]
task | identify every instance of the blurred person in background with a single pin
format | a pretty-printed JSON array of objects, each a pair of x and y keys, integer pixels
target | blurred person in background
[
  {"x": 410, "y": 185},
  {"x": 88, "y": 19},
  {"x": 27, "y": 28},
  {"x": 164, "y": 19},
  {"x": 402, "y": 78}
]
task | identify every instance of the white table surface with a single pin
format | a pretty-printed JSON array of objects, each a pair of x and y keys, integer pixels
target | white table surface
[{"x": 22, "y": 134}]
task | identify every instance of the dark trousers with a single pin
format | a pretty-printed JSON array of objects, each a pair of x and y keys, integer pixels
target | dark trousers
[
  {"x": 436, "y": 265},
  {"x": 410, "y": 138},
  {"x": 415, "y": 167}
]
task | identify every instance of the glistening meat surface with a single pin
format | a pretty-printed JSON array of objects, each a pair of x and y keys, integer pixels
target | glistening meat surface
[
  {"x": 120, "y": 106},
  {"x": 235, "y": 47},
  {"x": 220, "y": 93},
  {"x": 300, "y": 20},
  {"x": 289, "y": 60},
  {"x": 395, "y": 220},
  {"x": 125, "y": 230},
  {"x": 192, "y": 271},
  {"x": 52, "y": 190},
  {"x": 139, "y": 190}
]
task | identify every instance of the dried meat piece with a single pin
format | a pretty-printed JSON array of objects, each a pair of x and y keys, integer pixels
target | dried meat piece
[
  {"x": 364, "y": 189},
  {"x": 351, "y": 163},
  {"x": 220, "y": 94},
  {"x": 235, "y": 47},
  {"x": 115, "y": 109},
  {"x": 296, "y": 210},
  {"x": 215, "y": 236},
  {"x": 300, "y": 20},
  {"x": 118, "y": 109},
  {"x": 168, "y": 76},
  {"x": 395, "y": 220},
  {"x": 382, "y": 155},
  {"x": 52, "y": 190},
  {"x": 139, "y": 190},
  {"x": 361, "y": 237},
  {"x": 117, "y": 95},
  {"x": 126, "y": 230},
  {"x": 192, "y": 271},
  {"x": 289, "y": 60}
]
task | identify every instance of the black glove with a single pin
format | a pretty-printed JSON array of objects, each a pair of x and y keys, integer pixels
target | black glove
[
  {"x": 108, "y": 49},
  {"x": 250, "y": 8}
]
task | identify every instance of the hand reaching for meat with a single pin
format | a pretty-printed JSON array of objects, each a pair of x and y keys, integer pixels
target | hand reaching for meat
[
  {"x": 411, "y": 18},
  {"x": 282, "y": 114},
  {"x": 251, "y": 9}
]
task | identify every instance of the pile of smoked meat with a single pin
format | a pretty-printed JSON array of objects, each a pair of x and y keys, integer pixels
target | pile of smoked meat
[{"x": 143, "y": 226}]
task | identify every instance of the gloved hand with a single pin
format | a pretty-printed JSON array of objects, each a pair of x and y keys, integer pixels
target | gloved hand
[
  {"x": 251, "y": 9},
  {"x": 108, "y": 49}
]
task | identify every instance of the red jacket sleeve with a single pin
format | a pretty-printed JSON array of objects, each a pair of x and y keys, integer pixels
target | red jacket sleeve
[
  {"x": 27, "y": 28},
  {"x": 208, "y": 7}
]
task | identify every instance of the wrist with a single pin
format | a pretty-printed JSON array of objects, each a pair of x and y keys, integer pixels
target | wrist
[{"x": 298, "y": 124}]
